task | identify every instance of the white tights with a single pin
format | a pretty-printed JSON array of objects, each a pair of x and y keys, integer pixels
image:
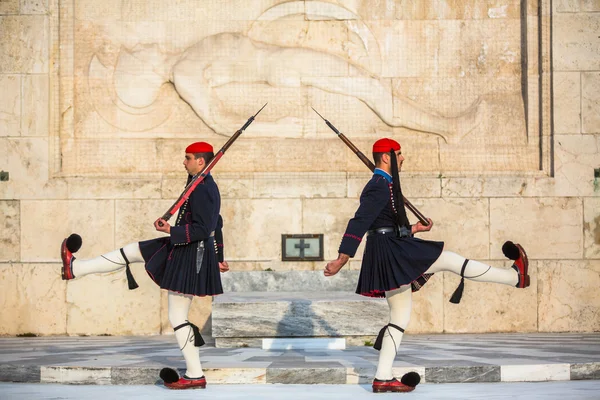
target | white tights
[
  {"x": 108, "y": 262},
  {"x": 400, "y": 302},
  {"x": 475, "y": 270},
  {"x": 179, "y": 304},
  {"x": 179, "y": 307}
]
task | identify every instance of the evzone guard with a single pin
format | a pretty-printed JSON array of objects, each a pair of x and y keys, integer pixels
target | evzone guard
[
  {"x": 187, "y": 263},
  {"x": 395, "y": 263}
]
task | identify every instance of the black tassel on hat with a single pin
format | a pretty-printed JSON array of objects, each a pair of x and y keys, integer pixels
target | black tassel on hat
[
  {"x": 401, "y": 217},
  {"x": 457, "y": 295},
  {"x": 130, "y": 279}
]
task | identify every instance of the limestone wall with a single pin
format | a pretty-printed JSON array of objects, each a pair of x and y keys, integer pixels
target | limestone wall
[{"x": 495, "y": 103}]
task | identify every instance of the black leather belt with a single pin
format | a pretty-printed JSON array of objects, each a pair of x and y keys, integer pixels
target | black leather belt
[{"x": 404, "y": 232}]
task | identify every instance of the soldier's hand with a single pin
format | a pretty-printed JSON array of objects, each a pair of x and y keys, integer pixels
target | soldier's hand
[
  {"x": 223, "y": 266},
  {"x": 333, "y": 267},
  {"x": 419, "y": 227},
  {"x": 166, "y": 228}
]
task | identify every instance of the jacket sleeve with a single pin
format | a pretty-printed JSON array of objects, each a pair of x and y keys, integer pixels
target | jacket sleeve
[
  {"x": 219, "y": 240},
  {"x": 204, "y": 217},
  {"x": 374, "y": 198}
]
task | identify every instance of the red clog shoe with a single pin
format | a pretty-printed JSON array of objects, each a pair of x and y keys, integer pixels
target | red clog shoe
[
  {"x": 70, "y": 245},
  {"x": 67, "y": 262},
  {"x": 521, "y": 265},
  {"x": 187, "y": 383},
  {"x": 393, "y": 385}
]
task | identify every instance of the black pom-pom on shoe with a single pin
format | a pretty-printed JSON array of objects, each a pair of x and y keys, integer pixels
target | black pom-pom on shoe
[
  {"x": 411, "y": 379},
  {"x": 169, "y": 375},
  {"x": 510, "y": 250},
  {"x": 74, "y": 243}
]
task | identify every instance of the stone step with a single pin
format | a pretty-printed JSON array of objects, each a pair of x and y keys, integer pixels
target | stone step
[
  {"x": 288, "y": 281},
  {"x": 256, "y": 315}
]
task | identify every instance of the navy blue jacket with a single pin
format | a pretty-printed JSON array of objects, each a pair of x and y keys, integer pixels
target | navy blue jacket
[
  {"x": 375, "y": 211},
  {"x": 200, "y": 217}
]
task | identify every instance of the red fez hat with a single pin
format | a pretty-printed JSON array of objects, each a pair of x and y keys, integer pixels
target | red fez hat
[
  {"x": 199, "y": 147},
  {"x": 385, "y": 145}
]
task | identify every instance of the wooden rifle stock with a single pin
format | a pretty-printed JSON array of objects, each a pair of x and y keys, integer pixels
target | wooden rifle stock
[
  {"x": 199, "y": 177},
  {"x": 371, "y": 166}
]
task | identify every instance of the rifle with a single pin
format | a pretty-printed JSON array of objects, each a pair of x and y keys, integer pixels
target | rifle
[
  {"x": 199, "y": 177},
  {"x": 371, "y": 166}
]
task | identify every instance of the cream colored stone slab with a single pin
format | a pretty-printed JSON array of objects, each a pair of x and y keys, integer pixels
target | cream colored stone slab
[
  {"x": 491, "y": 307},
  {"x": 253, "y": 227},
  {"x": 535, "y": 373},
  {"x": 576, "y": 156},
  {"x": 109, "y": 157},
  {"x": 299, "y": 185},
  {"x": 134, "y": 219},
  {"x": 590, "y": 102},
  {"x": 32, "y": 299},
  {"x": 235, "y": 185},
  {"x": 236, "y": 375},
  {"x": 28, "y": 51},
  {"x": 453, "y": 102},
  {"x": 124, "y": 312},
  {"x": 455, "y": 218},
  {"x": 282, "y": 118},
  {"x": 35, "y": 120},
  {"x": 10, "y": 105},
  {"x": 9, "y": 7},
  {"x": 107, "y": 188},
  {"x": 433, "y": 47},
  {"x": 567, "y": 102},
  {"x": 404, "y": 35},
  {"x": 568, "y": 296},
  {"x": 26, "y": 160},
  {"x": 325, "y": 36},
  {"x": 320, "y": 10},
  {"x": 575, "y": 44},
  {"x": 548, "y": 228},
  {"x": 349, "y": 114},
  {"x": 279, "y": 265},
  {"x": 34, "y": 6},
  {"x": 591, "y": 227},
  {"x": 428, "y": 307},
  {"x": 454, "y": 158},
  {"x": 441, "y": 9},
  {"x": 200, "y": 314},
  {"x": 10, "y": 234},
  {"x": 484, "y": 187},
  {"x": 76, "y": 375},
  {"x": 248, "y": 265},
  {"x": 45, "y": 223},
  {"x": 329, "y": 217},
  {"x": 575, "y": 6}
]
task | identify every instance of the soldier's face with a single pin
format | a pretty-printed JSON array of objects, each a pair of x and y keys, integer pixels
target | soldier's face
[
  {"x": 400, "y": 159},
  {"x": 192, "y": 164}
]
